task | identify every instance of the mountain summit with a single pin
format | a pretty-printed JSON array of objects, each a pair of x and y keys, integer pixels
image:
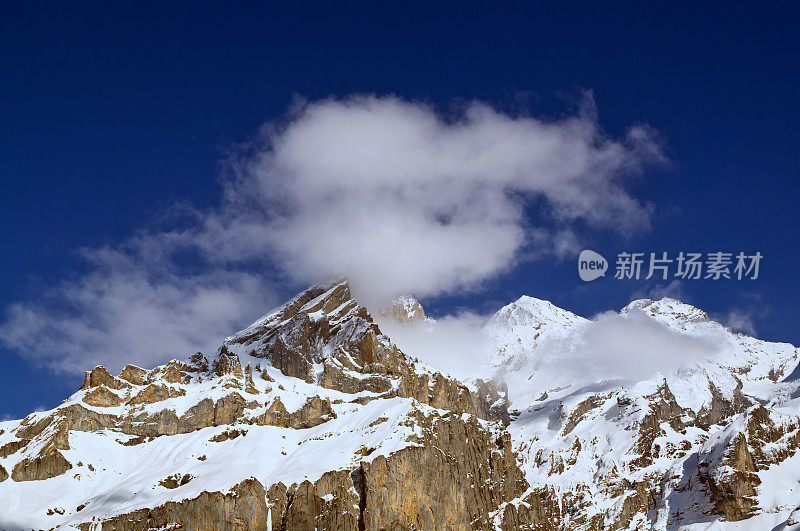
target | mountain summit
[{"x": 313, "y": 418}]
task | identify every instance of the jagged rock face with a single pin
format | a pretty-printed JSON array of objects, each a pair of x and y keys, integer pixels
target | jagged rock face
[
  {"x": 102, "y": 397},
  {"x": 293, "y": 336},
  {"x": 43, "y": 466},
  {"x": 242, "y": 509},
  {"x": 720, "y": 408},
  {"x": 324, "y": 339},
  {"x": 405, "y": 309},
  {"x": 313, "y": 418},
  {"x": 154, "y": 393},
  {"x": 418, "y": 487},
  {"x": 133, "y": 374},
  {"x": 733, "y": 480},
  {"x": 326, "y": 327},
  {"x": 100, "y": 376},
  {"x": 457, "y": 487},
  {"x": 663, "y": 410},
  {"x": 331, "y": 502}
]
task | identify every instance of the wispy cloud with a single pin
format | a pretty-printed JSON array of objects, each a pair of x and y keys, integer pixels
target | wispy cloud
[
  {"x": 136, "y": 305},
  {"x": 739, "y": 321},
  {"x": 455, "y": 344},
  {"x": 674, "y": 289},
  {"x": 391, "y": 193},
  {"x": 635, "y": 346}
]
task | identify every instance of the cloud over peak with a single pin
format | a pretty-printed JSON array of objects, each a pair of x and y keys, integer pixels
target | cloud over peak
[
  {"x": 390, "y": 193},
  {"x": 401, "y": 198}
]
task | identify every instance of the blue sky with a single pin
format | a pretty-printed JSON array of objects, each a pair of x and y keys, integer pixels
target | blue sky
[{"x": 111, "y": 114}]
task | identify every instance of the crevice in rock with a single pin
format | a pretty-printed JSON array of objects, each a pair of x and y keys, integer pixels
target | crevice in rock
[
  {"x": 285, "y": 517},
  {"x": 360, "y": 485}
]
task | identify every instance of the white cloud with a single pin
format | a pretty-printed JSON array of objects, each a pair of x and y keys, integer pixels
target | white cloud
[
  {"x": 390, "y": 193},
  {"x": 739, "y": 322},
  {"x": 631, "y": 347},
  {"x": 132, "y": 308},
  {"x": 454, "y": 344},
  {"x": 636, "y": 347},
  {"x": 675, "y": 289},
  {"x": 401, "y": 199}
]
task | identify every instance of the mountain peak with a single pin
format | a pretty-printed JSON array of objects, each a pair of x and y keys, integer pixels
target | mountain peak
[
  {"x": 405, "y": 309},
  {"x": 530, "y": 311},
  {"x": 667, "y": 309}
]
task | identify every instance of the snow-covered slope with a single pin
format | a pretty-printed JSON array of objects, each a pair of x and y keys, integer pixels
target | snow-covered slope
[
  {"x": 520, "y": 329},
  {"x": 312, "y": 417},
  {"x": 539, "y": 349},
  {"x": 642, "y": 449},
  {"x": 528, "y": 342}
]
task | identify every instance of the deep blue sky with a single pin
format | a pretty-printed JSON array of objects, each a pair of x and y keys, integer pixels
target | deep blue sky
[{"x": 110, "y": 113}]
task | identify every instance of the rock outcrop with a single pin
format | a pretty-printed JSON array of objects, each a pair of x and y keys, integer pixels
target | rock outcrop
[{"x": 243, "y": 508}]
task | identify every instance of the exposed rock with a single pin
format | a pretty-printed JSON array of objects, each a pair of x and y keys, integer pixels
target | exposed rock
[
  {"x": 227, "y": 363},
  {"x": 662, "y": 408},
  {"x": 102, "y": 396},
  {"x": 176, "y": 480},
  {"x": 540, "y": 510},
  {"x": 278, "y": 500},
  {"x": 331, "y": 502},
  {"x": 156, "y": 393},
  {"x": 362, "y": 359},
  {"x": 43, "y": 466},
  {"x": 314, "y": 412},
  {"x": 198, "y": 362},
  {"x": 459, "y": 475},
  {"x": 336, "y": 376},
  {"x": 733, "y": 481},
  {"x": 173, "y": 372},
  {"x": 244, "y": 508},
  {"x": 581, "y": 410},
  {"x": 440, "y": 457},
  {"x": 250, "y": 386},
  {"x": 720, "y": 408},
  {"x": 12, "y": 447},
  {"x": 227, "y": 410},
  {"x": 133, "y": 374},
  {"x": 405, "y": 309},
  {"x": 100, "y": 376},
  {"x": 77, "y": 417},
  {"x": 492, "y": 401},
  {"x": 227, "y": 435},
  {"x": 637, "y": 502}
]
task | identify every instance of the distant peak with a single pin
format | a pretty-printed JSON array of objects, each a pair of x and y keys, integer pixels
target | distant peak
[
  {"x": 528, "y": 301},
  {"x": 532, "y": 311},
  {"x": 667, "y": 308},
  {"x": 404, "y": 309}
]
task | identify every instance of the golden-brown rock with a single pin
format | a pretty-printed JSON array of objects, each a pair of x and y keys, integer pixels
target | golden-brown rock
[
  {"x": 100, "y": 376},
  {"x": 44, "y": 466},
  {"x": 133, "y": 374},
  {"x": 102, "y": 396},
  {"x": 156, "y": 393},
  {"x": 242, "y": 509}
]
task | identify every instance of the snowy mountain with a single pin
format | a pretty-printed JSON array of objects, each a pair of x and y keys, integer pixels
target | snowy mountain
[
  {"x": 312, "y": 417},
  {"x": 711, "y": 441}
]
